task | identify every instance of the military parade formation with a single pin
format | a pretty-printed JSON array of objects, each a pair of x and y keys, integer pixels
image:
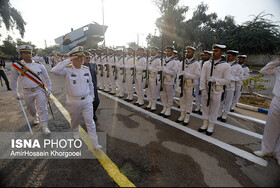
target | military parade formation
[{"x": 215, "y": 80}]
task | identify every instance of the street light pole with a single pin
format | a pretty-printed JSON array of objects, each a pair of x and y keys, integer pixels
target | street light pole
[{"x": 103, "y": 23}]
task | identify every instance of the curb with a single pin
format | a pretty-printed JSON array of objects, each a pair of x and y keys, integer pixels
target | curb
[{"x": 252, "y": 108}]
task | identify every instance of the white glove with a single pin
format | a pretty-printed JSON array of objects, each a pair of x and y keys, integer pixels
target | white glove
[
  {"x": 17, "y": 96},
  {"x": 212, "y": 79}
]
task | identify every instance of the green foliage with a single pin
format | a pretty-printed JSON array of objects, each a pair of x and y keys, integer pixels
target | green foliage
[
  {"x": 11, "y": 17},
  {"x": 254, "y": 84},
  {"x": 9, "y": 47},
  {"x": 48, "y": 51},
  {"x": 258, "y": 36}
]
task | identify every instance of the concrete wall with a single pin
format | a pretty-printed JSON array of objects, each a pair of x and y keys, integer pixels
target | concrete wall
[{"x": 259, "y": 60}]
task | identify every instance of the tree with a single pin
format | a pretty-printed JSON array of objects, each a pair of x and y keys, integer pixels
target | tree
[
  {"x": 11, "y": 17},
  {"x": 258, "y": 36},
  {"x": 9, "y": 47},
  {"x": 172, "y": 15}
]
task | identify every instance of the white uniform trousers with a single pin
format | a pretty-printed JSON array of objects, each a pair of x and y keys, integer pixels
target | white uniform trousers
[
  {"x": 78, "y": 107},
  {"x": 151, "y": 91},
  {"x": 197, "y": 96},
  {"x": 167, "y": 96},
  {"x": 37, "y": 98},
  {"x": 100, "y": 81},
  {"x": 106, "y": 80},
  {"x": 112, "y": 80},
  {"x": 129, "y": 84},
  {"x": 237, "y": 94},
  {"x": 186, "y": 100},
  {"x": 120, "y": 83},
  {"x": 271, "y": 135},
  {"x": 211, "y": 112},
  {"x": 139, "y": 86},
  {"x": 226, "y": 103}
]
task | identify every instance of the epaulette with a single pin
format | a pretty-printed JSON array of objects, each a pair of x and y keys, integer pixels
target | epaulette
[
  {"x": 69, "y": 65},
  {"x": 38, "y": 62},
  {"x": 85, "y": 66}
]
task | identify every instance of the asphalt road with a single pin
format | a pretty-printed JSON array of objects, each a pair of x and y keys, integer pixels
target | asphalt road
[{"x": 148, "y": 149}]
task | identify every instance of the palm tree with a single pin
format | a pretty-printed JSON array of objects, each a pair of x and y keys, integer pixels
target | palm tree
[{"x": 11, "y": 17}]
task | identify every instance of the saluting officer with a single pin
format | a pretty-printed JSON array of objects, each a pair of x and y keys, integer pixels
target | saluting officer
[
  {"x": 190, "y": 73},
  {"x": 238, "y": 87},
  {"x": 129, "y": 67},
  {"x": 154, "y": 67},
  {"x": 30, "y": 74},
  {"x": 169, "y": 72},
  {"x": 236, "y": 76},
  {"x": 220, "y": 77},
  {"x": 80, "y": 92},
  {"x": 140, "y": 66},
  {"x": 206, "y": 57}
]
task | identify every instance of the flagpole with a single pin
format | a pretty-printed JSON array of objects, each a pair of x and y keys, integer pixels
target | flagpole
[{"x": 103, "y": 23}]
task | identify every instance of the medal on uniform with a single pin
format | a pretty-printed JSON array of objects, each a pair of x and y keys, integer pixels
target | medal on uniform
[
  {"x": 74, "y": 81},
  {"x": 23, "y": 69}
]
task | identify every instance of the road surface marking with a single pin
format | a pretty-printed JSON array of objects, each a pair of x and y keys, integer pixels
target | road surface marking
[
  {"x": 241, "y": 153},
  {"x": 105, "y": 161}
]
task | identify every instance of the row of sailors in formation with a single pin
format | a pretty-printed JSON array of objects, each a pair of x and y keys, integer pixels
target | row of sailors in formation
[{"x": 117, "y": 72}]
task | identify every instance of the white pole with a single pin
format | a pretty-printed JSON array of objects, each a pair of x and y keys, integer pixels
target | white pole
[{"x": 25, "y": 117}]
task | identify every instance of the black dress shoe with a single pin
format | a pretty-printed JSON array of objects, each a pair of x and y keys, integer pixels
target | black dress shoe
[
  {"x": 165, "y": 116},
  {"x": 130, "y": 100},
  {"x": 177, "y": 121},
  {"x": 136, "y": 103},
  {"x": 200, "y": 113},
  {"x": 224, "y": 120},
  {"x": 219, "y": 118},
  {"x": 9, "y": 89},
  {"x": 152, "y": 110},
  {"x": 231, "y": 110},
  {"x": 95, "y": 118},
  {"x": 209, "y": 133},
  {"x": 140, "y": 105},
  {"x": 185, "y": 124},
  {"x": 201, "y": 130}
]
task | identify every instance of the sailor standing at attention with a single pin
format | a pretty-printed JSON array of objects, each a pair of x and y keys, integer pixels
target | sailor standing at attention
[{"x": 212, "y": 85}]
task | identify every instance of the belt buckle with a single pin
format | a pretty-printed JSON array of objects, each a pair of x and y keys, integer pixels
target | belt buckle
[
  {"x": 82, "y": 98},
  {"x": 32, "y": 89}
]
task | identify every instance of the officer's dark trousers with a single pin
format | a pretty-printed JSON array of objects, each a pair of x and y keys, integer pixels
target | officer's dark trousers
[
  {"x": 95, "y": 102},
  {"x": 2, "y": 74}
]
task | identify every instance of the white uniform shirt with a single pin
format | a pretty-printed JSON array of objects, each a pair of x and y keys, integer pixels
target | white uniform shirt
[
  {"x": 154, "y": 64},
  {"x": 192, "y": 69},
  {"x": 221, "y": 73},
  {"x": 273, "y": 67},
  {"x": 169, "y": 69},
  {"x": 140, "y": 63},
  {"x": 236, "y": 71},
  {"x": 129, "y": 62},
  {"x": 78, "y": 82},
  {"x": 245, "y": 72},
  {"x": 37, "y": 68}
]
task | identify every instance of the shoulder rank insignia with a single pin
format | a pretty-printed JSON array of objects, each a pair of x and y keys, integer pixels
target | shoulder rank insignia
[
  {"x": 38, "y": 62},
  {"x": 85, "y": 66},
  {"x": 69, "y": 65}
]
